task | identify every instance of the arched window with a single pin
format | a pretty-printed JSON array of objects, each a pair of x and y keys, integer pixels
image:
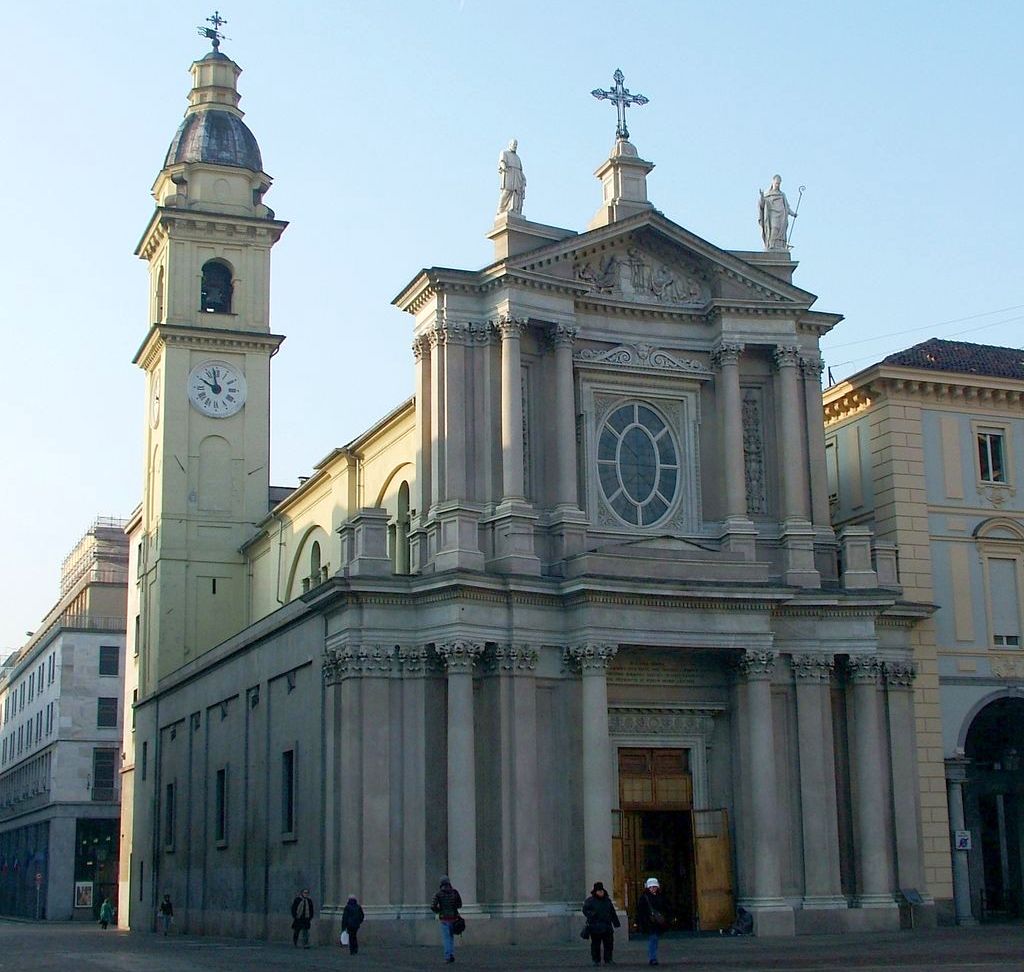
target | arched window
[
  {"x": 314, "y": 563},
  {"x": 402, "y": 530},
  {"x": 160, "y": 296},
  {"x": 215, "y": 296}
]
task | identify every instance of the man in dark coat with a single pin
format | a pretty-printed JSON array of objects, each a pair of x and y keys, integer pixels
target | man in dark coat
[
  {"x": 446, "y": 906},
  {"x": 351, "y": 918},
  {"x": 601, "y": 923},
  {"x": 302, "y": 917},
  {"x": 651, "y": 917}
]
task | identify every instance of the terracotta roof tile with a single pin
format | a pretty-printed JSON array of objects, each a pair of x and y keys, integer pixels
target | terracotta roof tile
[{"x": 960, "y": 357}]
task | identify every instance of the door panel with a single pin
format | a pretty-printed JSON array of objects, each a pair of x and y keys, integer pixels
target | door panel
[{"x": 715, "y": 905}]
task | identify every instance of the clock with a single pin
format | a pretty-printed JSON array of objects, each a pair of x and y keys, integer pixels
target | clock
[
  {"x": 216, "y": 388},
  {"x": 154, "y": 400}
]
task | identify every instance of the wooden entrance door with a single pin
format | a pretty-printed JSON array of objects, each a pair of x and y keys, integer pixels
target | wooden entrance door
[{"x": 713, "y": 864}]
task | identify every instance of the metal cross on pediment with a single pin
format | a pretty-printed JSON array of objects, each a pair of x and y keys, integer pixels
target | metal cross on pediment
[
  {"x": 213, "y": 34},
  {"x": 622, "y": 98}
]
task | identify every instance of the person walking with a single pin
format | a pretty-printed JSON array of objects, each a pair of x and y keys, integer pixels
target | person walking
[
  {"x": 652, "y": 917},
  {"x": 601, "y": 923},
  {"x": 166, "y": 913},
  {"x": 351, "y": 918},
  {"x": 445, "y": 905},
  {"x": 302, "y": 917},
  {"x": 106, "y": 913}
]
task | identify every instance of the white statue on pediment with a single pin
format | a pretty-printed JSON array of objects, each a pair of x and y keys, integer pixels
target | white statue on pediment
[
  {"x": 513, "y": 181},
  {"x": 773, "y": 212}
]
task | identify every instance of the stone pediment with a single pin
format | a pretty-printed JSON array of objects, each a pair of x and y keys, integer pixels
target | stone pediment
[{"x": 649, "y": 260}]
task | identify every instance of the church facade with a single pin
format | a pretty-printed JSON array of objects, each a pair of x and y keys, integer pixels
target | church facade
[{"x": 573, "y": 612}]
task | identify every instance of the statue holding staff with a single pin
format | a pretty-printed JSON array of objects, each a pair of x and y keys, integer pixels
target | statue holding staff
[
  {"x": 513, "y": 182},
  {"x": 773, "y": 212}
]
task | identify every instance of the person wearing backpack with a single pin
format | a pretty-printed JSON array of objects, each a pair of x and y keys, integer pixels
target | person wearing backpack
[{"x": 651, "y": 917}]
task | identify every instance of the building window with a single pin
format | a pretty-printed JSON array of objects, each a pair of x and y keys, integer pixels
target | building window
[
  {"x": 31, "y": 686},
  {"x": 220, "y": 807},
  {"x": 1004, "y": 601},
  {"x": 637, "y": 464},
  {"x": 169, "y": 817},
  {"x": 216, "y": 288},
  {"x": 106, "y": 713},
  {"x": 39, "y": 724},
  {"x": 145, "y": 759},
  {"x": 109, "y": 659},
  {"x": 991, "y": 455},
  {"x": 50, "y": 667},
  {"x": 104, "y": 770},
  {"x": 288, "y": 793}
]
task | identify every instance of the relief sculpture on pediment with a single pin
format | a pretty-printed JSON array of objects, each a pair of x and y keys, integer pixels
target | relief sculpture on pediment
[{"x": 637, "y": 276}]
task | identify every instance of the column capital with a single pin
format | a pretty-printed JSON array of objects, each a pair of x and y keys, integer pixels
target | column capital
[
  {"x": 459, "y": 657},
  {"x": 863, "y": 669},
  {"x": 450, "y": 332},
  {"x": 421, "y": 346},
  {"x": 562, "y": 335},
  {"x": 756, "y": 664},
  {"x": 899, "y": 673},
  {"x": 508, "y": 659},
  {"x": 813, "y": 668},
  {"x": 354, "y": 661},
  {"x": 726, "y": 353},
  {"x": 811, "y": 366},
  {"x": 510, "y": 328},
  {"x": 786, "y": 356},
  {"x": 418, "y": 660},
  {"x": 593, "y": 658}
]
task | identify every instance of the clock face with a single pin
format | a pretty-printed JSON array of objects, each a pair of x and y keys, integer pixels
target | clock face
[
  {"x": 216, "y": 388},
  {"x": 154, "y": 401}
]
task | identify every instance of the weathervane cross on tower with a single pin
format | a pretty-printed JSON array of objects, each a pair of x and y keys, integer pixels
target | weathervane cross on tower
[
  {"x": 213, "y": 34},
  {"x": 622, "y": 98}
]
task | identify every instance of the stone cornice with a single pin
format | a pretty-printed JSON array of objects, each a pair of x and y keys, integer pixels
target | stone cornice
[
  {"x": 203, "y": 226},
  {"x": 935, "y": 387},
  {"x": 208, "y": 338}
]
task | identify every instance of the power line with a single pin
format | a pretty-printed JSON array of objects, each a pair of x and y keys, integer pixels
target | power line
[
  {"x": 969, "y": 330},
  {"x": 928, "y": 327}
]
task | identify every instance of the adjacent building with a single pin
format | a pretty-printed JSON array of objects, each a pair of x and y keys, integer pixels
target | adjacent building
[
  {"x": 574, "y": 611},
  {"x": 927, "y": 448},
  {"x": 61, "y": 711}
]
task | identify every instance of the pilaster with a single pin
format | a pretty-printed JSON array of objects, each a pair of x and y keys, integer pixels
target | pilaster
[
  {"x": 739, "y": 532},
  {"x": 593, "y": 660}
]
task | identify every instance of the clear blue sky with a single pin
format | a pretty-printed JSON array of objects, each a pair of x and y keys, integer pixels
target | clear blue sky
[{"x": 381, "y": 123}]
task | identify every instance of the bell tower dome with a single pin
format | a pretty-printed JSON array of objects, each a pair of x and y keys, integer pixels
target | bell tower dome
[{"x": 207, "y": 360}]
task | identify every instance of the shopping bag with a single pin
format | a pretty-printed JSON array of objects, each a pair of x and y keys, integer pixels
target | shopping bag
[{"x": 344, "y": 938}]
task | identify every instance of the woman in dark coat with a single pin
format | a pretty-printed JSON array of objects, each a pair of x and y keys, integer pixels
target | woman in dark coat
[
  {"x": 302, "y": 917},
  {"x": 351, "y": 918},
  {"x": 601, "y": 923}
]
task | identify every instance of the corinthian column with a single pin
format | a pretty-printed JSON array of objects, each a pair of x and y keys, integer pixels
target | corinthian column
[
  {"x": 598, "y": 800},
  {"x": 755, "y": 670},
  {"x": 792, "y": 446},
  {"x": 819, "y": 814},
  {"x": 422, "y": 489},
  {"x": 741, "y": 535},
  {"x": 874, "y": 860},
  {"x": 810, "y": 369},
  {"x": 797, "y": 532},
  {"x": 511, "y": 330},
  {"x": 956, "y": 776},
  {"x": 562, "y": 338},
  {"x": 459, "y": 658}
]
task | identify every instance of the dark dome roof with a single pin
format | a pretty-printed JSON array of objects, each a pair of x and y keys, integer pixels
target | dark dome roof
[{"x": 216, "y": 136}]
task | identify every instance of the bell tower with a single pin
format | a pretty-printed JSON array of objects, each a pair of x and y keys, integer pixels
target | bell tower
[{"x": 207, "y": 362}]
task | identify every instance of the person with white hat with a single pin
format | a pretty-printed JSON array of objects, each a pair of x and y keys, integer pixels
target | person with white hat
[{"x": 651, "y": 917}]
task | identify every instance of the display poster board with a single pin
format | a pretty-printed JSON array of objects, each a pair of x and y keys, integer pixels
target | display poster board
[{"x": 83, "y": 894}]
